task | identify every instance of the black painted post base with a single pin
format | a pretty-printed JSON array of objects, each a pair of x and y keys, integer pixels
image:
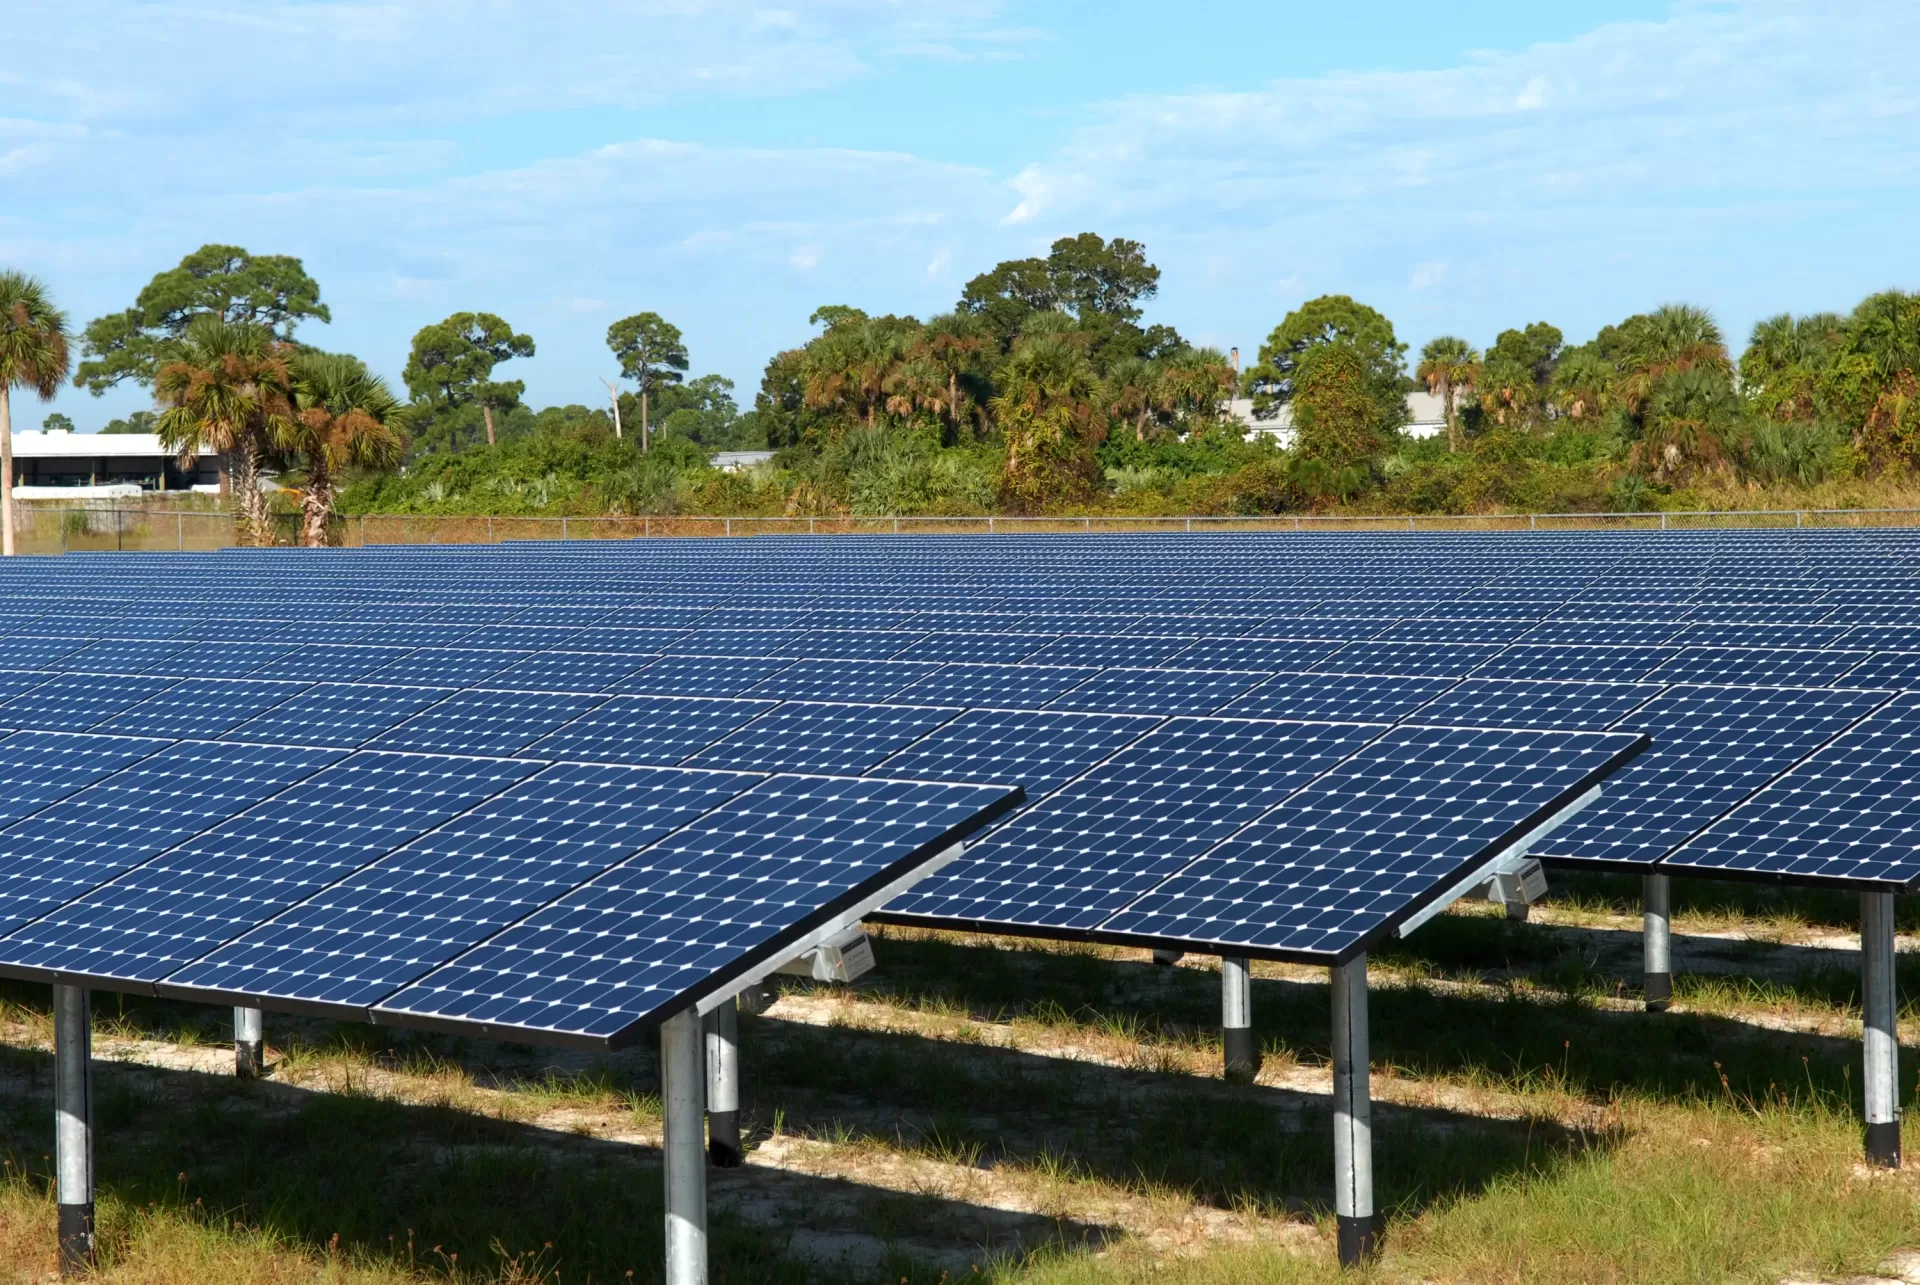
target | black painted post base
[
  {"x": 1659, "y": 991},
  {"x": 1359, "y": 1240},
  {"x": 1242, "y": 1055},
  {"x": 249, "y": 1059},
  {"x": 723, "y": 1139},
  {"x": 76, "y": 1239},
  {"x": 1883, "y": 1144}
]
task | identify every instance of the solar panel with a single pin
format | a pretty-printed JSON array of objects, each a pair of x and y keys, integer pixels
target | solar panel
[
  {"x": 1337, "y": 698},
  {"x": 561, "y": 671},
  {"x": 841, "y": 680},
  {"x": 118, "y": 656},
  {"x": 1893, "y": 670},
  {"x": 1848, "y": 814},
  {"x": 218, "y": 659},
  {"x": 485, "y": 722},
  {"x": 853, "y": 644},
  {"x": 39, "y": 768},
  {"x": 1378, "y": 836},
  {"x": 170, "y": 910},
  {"x": 1086, "y": 649},
  {"x": 124, "y": 819},
  {"x": 330, "y": 664},
  {"x": 359, "y": 940},
  {"x": 1085, "y": 852},
  {"x": 1005, "y": 649},
  {"x": 1712, "y": 747},
  {"x": 659, "y": 729},
  {"x": 343, "y": 716},
  {"x": 700, "y": 675},
  {"x": 1423, "y": 660},
  {"x": 1499, "y": 702},
  {"x": 75, "y": 702},
  {"x": 803, "y": 737},
  {"x": 1003, "y": 686},
  {"x": 200, "y": 708},
  {"x": 1596, "y": 664},
  {"x": 1038, "y": 750},
  {"x": 1158, "y": 691},
  {"x": 702, "y": 905},
  {"x": 446, "y": 666},
  {"x": 1767, "y": 666},
  {"x": 739, "y": 642},
  {"x": 1250, "y": 655}
]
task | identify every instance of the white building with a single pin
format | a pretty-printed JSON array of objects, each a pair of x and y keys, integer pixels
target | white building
[
  {"x": 1426, "y": 417},
  {"x": 62, "y": 465}
]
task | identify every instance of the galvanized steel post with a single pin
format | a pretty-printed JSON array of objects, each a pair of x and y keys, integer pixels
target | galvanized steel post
[
  {"x": 1656, "y": 941},
  {"x": 1241, "y": 1059},
  {"x": 249, "y": 1043},
  {"x": 1352, "y": 1115},
  {"x": 1879, "y": 1039},
  {"x": 723, "y": 1086},
  {"x": 682, "y": 1090},
  {"x": 73, "y": 1126}
]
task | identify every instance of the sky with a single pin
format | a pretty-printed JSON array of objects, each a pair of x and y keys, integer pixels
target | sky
[{"x": 733, "y": 166}]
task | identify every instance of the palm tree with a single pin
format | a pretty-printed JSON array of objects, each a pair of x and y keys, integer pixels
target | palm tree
[
  {"x": 852, "y": 367},
  {"x": 1448, "y": 364},
  {"x": 344, "y": 416},
  {"x": 1691, "y": 416},
  {"x": 1051, "y": 412},
  {"x": 226, "y": 390},
  {"x": 1136, "y": 388},
  {"x": 1671, "y": 338},
  {"x": 33, "y": 354},
  {"x": 1194, "y": 383},
  {"x": 1583, "y": 384},
  {"x": 954, "y": 342}
]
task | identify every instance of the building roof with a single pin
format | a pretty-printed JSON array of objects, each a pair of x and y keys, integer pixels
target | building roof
[{"x": 37, "y": 444}]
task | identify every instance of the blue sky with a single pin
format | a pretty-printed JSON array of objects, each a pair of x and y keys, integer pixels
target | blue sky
[{"x": 735, "y": 165}]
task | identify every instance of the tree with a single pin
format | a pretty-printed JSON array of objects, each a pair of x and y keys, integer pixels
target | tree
[
  {"x": 343, "y": 417},
  {"x": 1583, "y": 384},
  {"x": 270, "y": 290},
  {"x": 1049, "y": 410},
  {"x": 1517, "y": 372},
  {"x": 955, "y": 343},
  {"x": 1691, "y": 416},
  {"x": 1098, "y": 284},
  {"x": 1449, "y": 365},
  {"x": 651, "y": 353},
  {"x": 1317, "y": 323},
  {"x": 701, "y": 411},
  {"x": 57, "y": 423},
  {"x": 451, "y": 368},
  {"x": 140, "y": 421},
  {"x": 1671, "y": 338},
  {"x": 1874, "y": 379},
  {"x": 849, "y": 368},
  {"x": 1197, "y": 381},
  {"x": 225, "y": 389},
  {"x": 33, "y": 355},
  {"x": 1136, "y": 391},
  {"x": 1336, "y": 409}
]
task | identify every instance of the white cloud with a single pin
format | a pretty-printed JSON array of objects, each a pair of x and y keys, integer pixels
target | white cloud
[
  {"x": 805, "y": 257},
  {"x": 937, "y": 266},
  {"x": 1428, "y": 275}
]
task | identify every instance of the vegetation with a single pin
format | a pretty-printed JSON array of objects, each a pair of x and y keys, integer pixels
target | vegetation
[
  {"x": 34, "y": 355},
  {"x": 1045, "y": 391}
]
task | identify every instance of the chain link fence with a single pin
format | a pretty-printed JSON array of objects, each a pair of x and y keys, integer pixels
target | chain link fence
[{"x": 48, "y": 529}]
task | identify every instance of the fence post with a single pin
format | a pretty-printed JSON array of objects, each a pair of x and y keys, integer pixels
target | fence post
[
  {"x": 1796, "y": 519},
  {"x": 179, "y": 533},
  {"x": 1409, "y": 521},
  {"x": 1533, "y": 521},
  {"x": 1663, "y": 521},
  {"x": 1086, "y": 524},
  {"x": 809, "y": 526},
  {"x": 1296, "y": 524},
  {"x": 1189, "y": 526},
  {"x": 729, "y": 526},
  {"x": 563, "y": 528},
  {"x": 490, "y": 539}
]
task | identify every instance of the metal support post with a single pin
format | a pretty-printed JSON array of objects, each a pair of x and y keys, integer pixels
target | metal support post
[
  {"x": 73, "y": 1126},
  {"x": 249, "y": 1043},
  {"x": 1236, "y": 1019},
  {"x": 723, "y": 1086},
  {"x": 683, "y": 1086},
  {"x": 1352, "y": 1115},
  {"x": 1880, "y": 1041},
  {"x": 1656, "y": 935}
]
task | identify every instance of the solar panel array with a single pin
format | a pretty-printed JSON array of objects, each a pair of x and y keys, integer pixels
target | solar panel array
[{"x": 1276, "y": 744}]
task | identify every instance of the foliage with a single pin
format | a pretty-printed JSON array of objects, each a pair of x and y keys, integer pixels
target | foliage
[
  {"x": 34, "y": 354},
  {"x": 1516, "y": 374},
  {"x": 225, "y": 387},
  {"x": 57, "y": 423},
  {"x": 1449, "y": 366},
  {"x": 272, "y": 291},
  {"x": 140, "y": 421},
  {"x": 1318, "y": 323},
  {"x": 1050, "y": 415},
  {"x": 1336, "y": 416},
  {"x": 449, "y": 375},
  {"x": 344, "y": 416},
  {"x": 652, "y": 354}
]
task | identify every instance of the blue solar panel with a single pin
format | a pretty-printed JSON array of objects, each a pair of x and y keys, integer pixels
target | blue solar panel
[
  {"x": 1321, "y": 629},
  {"x": 705, "y": 903},
  {"x": 1621, "y": 633},
  {"x": 117, "y": 656},
  {"x": 174, "y": 908},
  {"x": 1849, "y": 813},
  {"x": 657, "y": 729},
  {"x": 419, "y": 635},
  {"x": 1085, "y": 852},
  {"x": 330, "y": 664},
  {"x": 1712, "y": 747},
  {"x": 342, "y": 716},
  {"x": 486, "y": 722},
  {"x": 1761, "y": 635},
  {"x": 562, "y": 671},
  {"x": 1337, "y": 698},
  {"x": 841, "y": 680},
  {"x": 612, "y": 638},
  {"x": 446, "y": 666},
  {"x": 1088, "y": 649},
  {"x": 801, "y": 737},
  {"x": 1763, "y": 666},
  {"x": 218, "y": 659},
  {"x": 1038, "y": 750},
  {"x": 994, "y": 686},
  {"x": 1158, "y": 691},
  {"x": 1498, "y": 702},
  {"x": 739, "y": 642},
  {"x": 1594, "y": 664},
  {"x": 854, "y": 644},
  {"x": 200, "y": 708},
  {"x": 1421, "y": 660},
  {"x": 1430, "y": 630},
  {"x": 16, "y": 682},
  {"x": 39, "y": 768},
  {"x": 1003, "y": 649},
  {"x": 109, "y": 827},
  {"x": 1376, "y": 837},
  {"x": 215, "y": 629},
  {"x": 385, "y": 925},
  {"x": 1893, "y": 670},
  {"x": 700, "y": 675},
  {"x": 75, "y": 702}
]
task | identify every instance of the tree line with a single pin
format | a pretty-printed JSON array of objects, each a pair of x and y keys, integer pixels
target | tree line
[{"x": 1042, "y": 388}]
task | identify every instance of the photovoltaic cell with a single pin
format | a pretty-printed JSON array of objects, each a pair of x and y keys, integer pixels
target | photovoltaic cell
[
  {"x": 75, "y": 702},
  {"x": 1157, "y": 691},
  {"x": 1248, "y": 655},
  {"x": 1087, "y": 649},
  {"x": 1595, "y": 664},
  {"x": 332, "y": 663},
  {"x": 180, "y": 905},
  {"x": 700, "y": 675},
  {"x": 1037, "y": 750},
  {"x": 485, "y": 722},
  {"x": 1005, "y": 649},
  {"x": 218, "y": 659},
  {"x": 1420, "y": 660},
  {"x": 1498, "y": 702},
  {"x": 1712, "y": 747},
  {"x": 1337, "y": 698},
  {"x": 359, "y": 940},
  {"x": 801, "y": 737},
  {"x": 994, "y": 686},
  {"x": 1764, "y": 666},
  {"x": 446, "y": 666},
  {"x": 1084, "y": 853},
  {"x": 561, "y": 671},
  {"x": 1892, "y": 670},
  {"x": 841, "y": 680},
  {"x": 107, "y": 828},
  {"x": 1378, "y": 835},
  {"x": 629, "y": 947},
  {"x": 200, "y": 708},
  {"x": 40, "y": 768},
  {"x": 117, "y": 656},
  {"x": 342, "y": 716},
  {"x": 853, "y": 644},
  {"x": 657, "y": 729}
]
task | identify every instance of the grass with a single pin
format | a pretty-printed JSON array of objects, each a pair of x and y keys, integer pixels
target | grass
[{"x": 1035, "y": 1114}]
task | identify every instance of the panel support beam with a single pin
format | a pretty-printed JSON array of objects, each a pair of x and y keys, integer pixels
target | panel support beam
[
  {"x": 1656, "y": 941},
  {"x": 683, "y": 1086},
  {"x": 1241, "y": 1056},
  {"x": 723, "y": 1086},
  {"x": 1352, "y": 1115},
  {"x": 73, "y": 1126},
  {"x": 249, "y": 1043},
  {"x": 1879, "y": 1039}
]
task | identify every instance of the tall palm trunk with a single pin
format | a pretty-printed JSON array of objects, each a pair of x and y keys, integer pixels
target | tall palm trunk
[
  {"x": 244, "y": 467},
  {"x": 1453, "y": 421},
  {"x": 486, "y": 413},
  {"x": 6, "y": 470},
  {"x": 316, "y": 504}
]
